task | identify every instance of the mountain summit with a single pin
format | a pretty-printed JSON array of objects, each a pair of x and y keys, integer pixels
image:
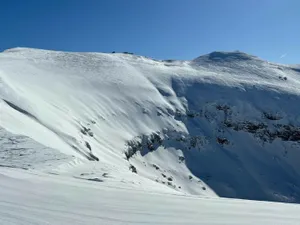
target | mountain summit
[{"x": 219, "y": 56}]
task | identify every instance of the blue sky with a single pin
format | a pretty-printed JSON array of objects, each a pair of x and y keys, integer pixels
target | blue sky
[{"x": 163, "y": 29}]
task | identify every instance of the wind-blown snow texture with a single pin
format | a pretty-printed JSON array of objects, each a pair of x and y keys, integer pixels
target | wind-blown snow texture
[
  {"x": 224, "y": 124},
  {"x": 29, "y": 198}
]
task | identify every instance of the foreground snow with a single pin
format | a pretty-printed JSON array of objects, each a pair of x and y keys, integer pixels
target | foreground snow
[{"x": 30, "y": 198}]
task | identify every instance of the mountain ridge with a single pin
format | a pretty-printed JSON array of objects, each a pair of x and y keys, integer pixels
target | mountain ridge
[
  {"x": 181, "y": 125},
  {"x": 217, "y": 55}
]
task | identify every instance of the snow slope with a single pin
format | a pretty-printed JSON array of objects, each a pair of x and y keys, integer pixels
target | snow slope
[
  {"x": 30, "y": 198},
  {"x": 224, "y": 124}
]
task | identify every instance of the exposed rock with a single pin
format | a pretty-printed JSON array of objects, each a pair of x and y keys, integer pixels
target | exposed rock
[
  {"x": 155, "y": 166},
  {"x": 271, "y": 116},
  {"x": 181, "y": 158},
  {"x": 222, "y": 141},
  {"x": 88, "y": 146},
  {"x": 132, "y": 168}
]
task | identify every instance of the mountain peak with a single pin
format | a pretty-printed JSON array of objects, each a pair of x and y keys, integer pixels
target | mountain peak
[{"x": 220, "y": 56}]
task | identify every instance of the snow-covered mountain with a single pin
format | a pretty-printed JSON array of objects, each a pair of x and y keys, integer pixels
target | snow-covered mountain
[{"x": 224, "y": 124}]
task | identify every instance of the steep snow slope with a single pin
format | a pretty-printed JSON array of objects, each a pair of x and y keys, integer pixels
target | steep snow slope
[{"x": 223, "y": 124}]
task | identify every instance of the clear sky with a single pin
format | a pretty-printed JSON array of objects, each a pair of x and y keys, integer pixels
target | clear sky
[{"x": 163, "y": 29}]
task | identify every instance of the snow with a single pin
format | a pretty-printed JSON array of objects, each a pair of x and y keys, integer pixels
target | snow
[
  {"x": 29, "y": 198},
  {"x": 224, "y": 124}
]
